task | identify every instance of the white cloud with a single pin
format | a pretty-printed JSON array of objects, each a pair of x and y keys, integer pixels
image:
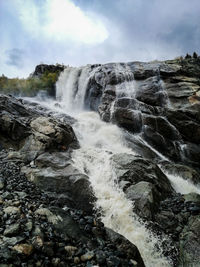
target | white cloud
[
  {"x": 77, "y": 32},
  {"x": 61, "y": 20}
]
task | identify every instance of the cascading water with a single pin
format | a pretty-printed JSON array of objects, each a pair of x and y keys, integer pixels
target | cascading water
[
  {"x": 99, "y": 141},
  {"x": 127, "y": 87},
  {"x": 181, "y": 185},
  {"x": 71, "y": 87}
]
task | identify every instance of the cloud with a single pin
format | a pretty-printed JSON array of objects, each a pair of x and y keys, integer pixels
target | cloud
[
  {"x": 15, "y": 57},
  {"x": 78, "y": 32},
  {"x": 61, "y": 20}
]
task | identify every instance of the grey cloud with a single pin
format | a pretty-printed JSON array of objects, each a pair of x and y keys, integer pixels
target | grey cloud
[
  {"x": 138, "y": 30},
  {"x": 15, "y": 57},
  {"x": 152, "y": 25}
]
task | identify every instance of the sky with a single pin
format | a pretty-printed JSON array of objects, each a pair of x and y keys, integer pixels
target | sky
[{"x": 80, "y": 32}]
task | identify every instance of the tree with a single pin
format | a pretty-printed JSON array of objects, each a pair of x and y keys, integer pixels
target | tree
[
  {"x": 195, "y": 55},
  {"x": 187, "y": 56}
]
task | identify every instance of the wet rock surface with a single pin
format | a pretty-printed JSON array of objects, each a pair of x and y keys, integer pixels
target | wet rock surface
[
  {"x": 143, "y": 182},
  {"x": 36, "y": 231},
  {"x": 161, "y": 103}
]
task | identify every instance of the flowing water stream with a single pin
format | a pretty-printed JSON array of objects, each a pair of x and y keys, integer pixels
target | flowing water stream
[{"x": 99, "y": 141}]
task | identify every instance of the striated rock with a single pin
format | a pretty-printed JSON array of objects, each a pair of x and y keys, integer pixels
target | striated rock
[
  {"x": 144, "y": 70},
  {"x": 67, "y": 184},
  {"x": 151, "y": 92},
  {"x": 128, "y": 119},
  {"x": 125, "y": 246},
  {"x": 188, "y": 127}
]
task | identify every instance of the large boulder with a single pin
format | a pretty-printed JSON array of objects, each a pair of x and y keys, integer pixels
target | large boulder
[
  {"x": 151, "y": 92},
  {"x": 31, "y": 131},
  {"x": 143, "y": 182},
  {"x": 187, "y": 125},
  {"x": 54, "y": 173}
]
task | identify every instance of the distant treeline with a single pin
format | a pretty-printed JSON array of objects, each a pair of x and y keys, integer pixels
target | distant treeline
[{"x": 30, "y": 86}]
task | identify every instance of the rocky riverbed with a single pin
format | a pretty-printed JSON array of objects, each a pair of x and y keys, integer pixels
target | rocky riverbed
[{"x": 36, "y": 231}]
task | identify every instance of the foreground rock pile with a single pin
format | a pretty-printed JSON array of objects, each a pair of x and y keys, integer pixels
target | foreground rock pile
[{"x": 36, "y": 232}]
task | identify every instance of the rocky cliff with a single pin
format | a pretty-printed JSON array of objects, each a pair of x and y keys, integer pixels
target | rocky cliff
[{"x": 47, "y": 204}]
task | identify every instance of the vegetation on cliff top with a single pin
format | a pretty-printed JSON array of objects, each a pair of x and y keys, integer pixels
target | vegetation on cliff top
[{"x": 30, "y": 86}]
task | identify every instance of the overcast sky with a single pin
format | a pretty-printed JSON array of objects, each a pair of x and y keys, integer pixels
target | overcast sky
[{"x": 78, "y": 32}]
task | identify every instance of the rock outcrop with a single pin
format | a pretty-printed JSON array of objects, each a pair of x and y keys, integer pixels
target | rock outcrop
[
  {"x": 143, "y": 182},
  {"x": 158, "y": 100},
  {"x": 31, "y": 131},
  {"x": 48, "y": 141},
  {"x": 42, "y": 68}
]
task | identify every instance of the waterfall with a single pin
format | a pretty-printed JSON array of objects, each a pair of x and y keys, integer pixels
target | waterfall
[
  {"x": 72, "y": 86},
  {"x": 98, "y": 142},
  {"x": 127, "y": 87}
]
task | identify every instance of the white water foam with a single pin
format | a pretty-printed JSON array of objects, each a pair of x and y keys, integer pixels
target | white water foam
[
  {"x": 127, "y": 87},
  {"x": 71, "y": 87},
  {"x": 181, "y": 185},
  {"x": 99, "y": 140}
]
